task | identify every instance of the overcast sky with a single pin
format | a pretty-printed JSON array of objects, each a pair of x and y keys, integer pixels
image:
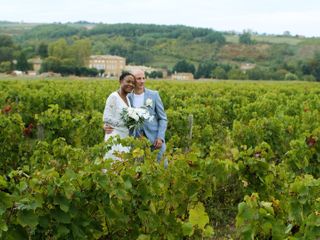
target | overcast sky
[{"x": 262, "y": 16}]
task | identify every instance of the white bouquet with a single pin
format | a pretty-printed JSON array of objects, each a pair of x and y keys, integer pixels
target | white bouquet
[{"x": 134, "y": 118}]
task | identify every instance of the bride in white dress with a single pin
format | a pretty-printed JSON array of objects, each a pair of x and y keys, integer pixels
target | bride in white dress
[{"x": 112, "y": 114}]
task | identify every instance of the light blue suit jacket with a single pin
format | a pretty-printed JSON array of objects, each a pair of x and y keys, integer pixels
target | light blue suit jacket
[{"x": 157, "y": 127}]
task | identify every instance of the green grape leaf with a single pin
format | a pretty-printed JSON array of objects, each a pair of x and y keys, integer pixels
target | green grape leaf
[
  {"x": 187, "y": 229},
  {"x": 27, "y": 218},
  {"x": 198, "y": 216}
]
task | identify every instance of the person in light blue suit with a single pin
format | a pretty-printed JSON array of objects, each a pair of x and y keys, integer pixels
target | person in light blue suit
[{"x": 154, "y": 130}]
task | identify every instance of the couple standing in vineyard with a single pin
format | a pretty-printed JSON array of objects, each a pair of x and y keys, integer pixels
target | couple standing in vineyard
[{"x": 137, "y": 111}]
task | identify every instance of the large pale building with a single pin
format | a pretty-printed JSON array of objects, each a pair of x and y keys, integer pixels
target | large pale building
[{"x": 112, "y": 65}]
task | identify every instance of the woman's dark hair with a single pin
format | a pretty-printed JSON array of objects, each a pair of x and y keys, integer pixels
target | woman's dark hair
[{"x": 124, "y": 74}]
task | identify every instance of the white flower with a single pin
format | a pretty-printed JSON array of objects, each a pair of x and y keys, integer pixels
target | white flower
[
  {"x": 149, "y": 102},
  {"x": 135, "y": 117},
  {"x": 132, "y": 113},
  {"x": 140, "y": 111}
]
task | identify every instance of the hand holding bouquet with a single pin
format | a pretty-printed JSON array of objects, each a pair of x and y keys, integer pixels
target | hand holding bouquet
[{"x": 134, "y": 118}]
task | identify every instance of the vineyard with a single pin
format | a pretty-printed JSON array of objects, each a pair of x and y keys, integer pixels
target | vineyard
[{"x": 246, "y": 167}]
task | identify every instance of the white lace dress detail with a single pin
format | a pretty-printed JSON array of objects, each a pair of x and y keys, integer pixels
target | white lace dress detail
[{"x": 112, "y": 116}]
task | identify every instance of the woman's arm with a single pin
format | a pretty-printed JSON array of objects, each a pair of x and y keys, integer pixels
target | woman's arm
[{"x": 109, "y": 111}]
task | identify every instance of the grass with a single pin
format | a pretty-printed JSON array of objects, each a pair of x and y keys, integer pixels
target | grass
[
  {"x": 268, "y": 39},
  {"x": 15, "y": 28}
]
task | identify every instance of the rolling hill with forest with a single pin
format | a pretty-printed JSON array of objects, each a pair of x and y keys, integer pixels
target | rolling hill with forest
[{"x": 202, "y": 51}]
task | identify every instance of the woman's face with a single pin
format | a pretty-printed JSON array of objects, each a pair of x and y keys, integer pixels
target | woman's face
[{"x": 127, "y": 84}]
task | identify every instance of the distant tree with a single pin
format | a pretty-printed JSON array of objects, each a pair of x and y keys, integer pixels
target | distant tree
[
  {"x": 245, "y": 38},
  {"x": 215, "y": 37},
  {"x": 305, "y": 67},
  {"x": 75, "y": 54},
  {"x": 290, "y": 76},
  {"x": 43, "y": 50},
  {"x": 256, "y": 74},
  {"x": 29, "y": 51},
  {"x": 219, "y": 73},
  {"x": 88, "y": 72},
  {"x": 187, "y": 35},
  {"x": 278, "y": 74},
  {"x": 315, "y": 66},
  {"x": 6, "y": 41},
  {"x": 226, "y": 67},
  {"x": 68, "y": 62},
  {"x": 58, "y": 49},
  {"x": 184, "y": 66},
  {"x": 310, "y": 78},
  {"x": 6, "y": 54},
  {"x": 237, "y": 74},
  {"x": 50, "y": 32},
  {"x": 7, "y": 48},
  {"x": 118, "y": 50},
  {"x": 51, "y": 64},
  {"x": 205, "y": 69},
  {"x": 155, "y": 74},
  {"x": 80, "y": 51},
  {"x": 312, "y": 67},
  {"x": 22, "y": 63},
  {"x": 146, "y": 41},
  {"x": 139, "y": 57},
  {"x": 98, "y": 47},
  {"x": 5, "y": 66}
]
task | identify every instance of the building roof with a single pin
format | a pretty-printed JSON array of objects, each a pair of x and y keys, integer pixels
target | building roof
[
  {"x": 182, "y": 74},
  {"x": 106, "y": 57},
  {"x": 247, "y": 66}
]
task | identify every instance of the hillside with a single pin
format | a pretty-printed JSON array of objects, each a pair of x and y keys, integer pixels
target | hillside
[{"x": 163, "y": 46}]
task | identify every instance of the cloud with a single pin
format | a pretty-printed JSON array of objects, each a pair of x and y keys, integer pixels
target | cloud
[{"x": 270, "y": 16}]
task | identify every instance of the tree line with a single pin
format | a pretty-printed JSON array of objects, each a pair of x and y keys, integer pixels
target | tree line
[{"x": 64, "y": 48}]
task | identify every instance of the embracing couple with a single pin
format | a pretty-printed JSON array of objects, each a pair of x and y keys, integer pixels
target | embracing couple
[{"x": 132, "y": 93}]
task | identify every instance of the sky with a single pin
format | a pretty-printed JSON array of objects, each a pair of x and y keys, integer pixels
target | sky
[{"x": 262, "y": 16}]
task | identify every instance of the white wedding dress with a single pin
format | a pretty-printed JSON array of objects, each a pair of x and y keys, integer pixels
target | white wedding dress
[{"x": 112, "y": 116}]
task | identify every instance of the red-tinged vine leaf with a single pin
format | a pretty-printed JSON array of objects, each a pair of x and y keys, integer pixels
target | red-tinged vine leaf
[
  {"x": 27, "y": 131},
  {"x": 7, "y": 109},
  {"x": 311, "y": 141},
  {"x": 191, "y": 163}
]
